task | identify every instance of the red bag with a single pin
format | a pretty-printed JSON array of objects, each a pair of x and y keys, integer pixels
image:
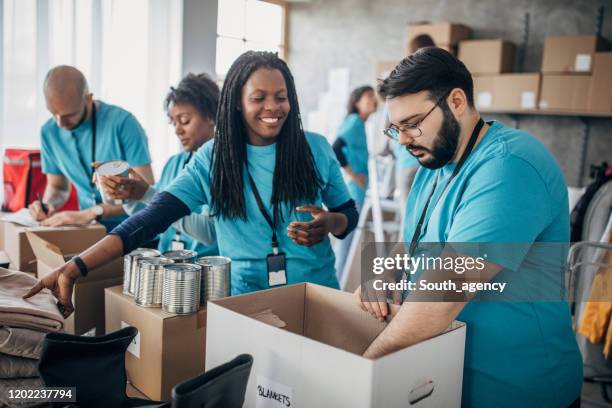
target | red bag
[{"x": 24, "y": 180}]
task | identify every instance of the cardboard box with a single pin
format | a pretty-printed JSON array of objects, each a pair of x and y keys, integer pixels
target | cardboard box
[
  {"x": 315, "y": 360},
  {"x": 507, "y": 91},
  {"x": 442, "y": 33},
  {"x": 132, "y": 392},
  {"x": 167, "y": 350},
  {"x": 71, "y": 239},
  {"x": 487, "y": 56},
  {"x": 600, "y": 94},
  {"x": 88, "y": 294},
  {"x": 571, "y": 54},
  {"x": 384, "y": 68},
  {"x": 565, "y": 92}
]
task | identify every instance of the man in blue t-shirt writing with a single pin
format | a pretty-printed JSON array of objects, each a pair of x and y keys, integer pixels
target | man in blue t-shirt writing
[
  {"x": 83, "y": 131},
  {"x": 481, "y": 184}
]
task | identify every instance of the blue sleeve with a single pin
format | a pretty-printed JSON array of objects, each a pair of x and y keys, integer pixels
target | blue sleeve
[
  {"x": 335, "y": 192},
  {"x": 49, "y": 164},
  {"x": 134, "y": 142},
  {"x": 352, "y": 216},
  {"x": 506, "y": 202},
  {"x": 154, "y": 219},
  {"x": 192, "y": 184}
]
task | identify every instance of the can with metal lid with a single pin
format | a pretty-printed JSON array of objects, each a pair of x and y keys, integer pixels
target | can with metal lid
[
  {"x": 216, "y": 275},
  {"x": 182, "y": 256},
  {"x": 129, "y": 267},
  {"x": 181, "y": 288},
  {"x": 111, "y": 168},
  {"x": 148, "y": 290}
]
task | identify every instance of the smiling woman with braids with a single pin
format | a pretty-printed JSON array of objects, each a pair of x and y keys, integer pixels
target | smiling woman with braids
[{"x": 266, "y": 181}]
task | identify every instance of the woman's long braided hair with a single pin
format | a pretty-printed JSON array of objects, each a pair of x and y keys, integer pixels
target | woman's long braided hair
[{"x": 295, "y": 176}]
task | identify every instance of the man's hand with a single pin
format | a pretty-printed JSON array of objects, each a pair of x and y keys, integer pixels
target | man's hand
[
  {"x": 61, "y": 284},
  {"x": 38, "y": 213},
  {"x": 360, "y": 179},
  {"x": 133, "y": 187},
  {"x": 69, "y": 218},
  {"x": 315, "y": 231}
]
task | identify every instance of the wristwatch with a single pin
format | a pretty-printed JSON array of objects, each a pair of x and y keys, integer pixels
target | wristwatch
[{"x": 98, "y": 211}]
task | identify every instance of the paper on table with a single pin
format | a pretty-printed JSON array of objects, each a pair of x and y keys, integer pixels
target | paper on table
[{"x": 21, "y": 217}]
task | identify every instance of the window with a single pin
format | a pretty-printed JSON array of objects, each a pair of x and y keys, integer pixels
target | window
[{"x": 249, "y": 25}]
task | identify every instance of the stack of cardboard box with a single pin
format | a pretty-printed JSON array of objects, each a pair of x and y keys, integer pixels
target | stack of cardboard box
[
  {"x": 443, "y": 34},
  {"x": 491, "y": 63},
  {"x": 577, "y": 75}
]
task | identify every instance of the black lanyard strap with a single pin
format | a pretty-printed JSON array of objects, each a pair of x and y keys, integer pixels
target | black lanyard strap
[
  {"x": 93, "y": 141},
  {"x": 468, "y": 149},
  {"x": 264, "y": 212}
]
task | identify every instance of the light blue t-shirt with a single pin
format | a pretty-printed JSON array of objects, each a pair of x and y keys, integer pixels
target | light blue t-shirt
[
  {"x": 119, "y": 136},
  {"x": 352, "y": 131},
  {"x": 510, "y": 190},
  {"x": 172, "y": 169},
  {"x": 403, "y": 159},
  {"x": 248, "y": 242}
]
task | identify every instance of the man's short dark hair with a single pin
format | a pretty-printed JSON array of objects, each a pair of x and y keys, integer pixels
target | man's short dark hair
[{"x": 428, "y": 69}]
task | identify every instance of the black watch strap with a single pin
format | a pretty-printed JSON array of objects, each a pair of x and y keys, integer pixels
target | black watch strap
[{"x": 81, "y": 265}]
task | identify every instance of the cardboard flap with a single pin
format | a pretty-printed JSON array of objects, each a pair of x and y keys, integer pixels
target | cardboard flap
[{"x": 45, "y": 251}]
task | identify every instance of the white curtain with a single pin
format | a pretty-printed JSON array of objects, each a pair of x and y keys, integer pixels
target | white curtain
[{"x": 130, "y": 52}]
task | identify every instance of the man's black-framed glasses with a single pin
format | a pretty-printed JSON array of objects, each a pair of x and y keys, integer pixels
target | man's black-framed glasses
[{"x": 412, "y": 130}]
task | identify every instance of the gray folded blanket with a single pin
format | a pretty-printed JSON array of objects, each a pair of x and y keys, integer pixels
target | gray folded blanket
[
  {"x": 21, "y": 342},
  {"x": 17, "y": 367}
]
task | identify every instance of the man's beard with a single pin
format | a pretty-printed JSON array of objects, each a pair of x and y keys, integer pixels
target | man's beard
[{"x": 445, "y": 144}]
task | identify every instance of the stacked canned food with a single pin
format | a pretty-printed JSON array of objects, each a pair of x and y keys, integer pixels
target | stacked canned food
[
  {"x": 216, "y": 275},
  {"x": 130, "y": 265}
]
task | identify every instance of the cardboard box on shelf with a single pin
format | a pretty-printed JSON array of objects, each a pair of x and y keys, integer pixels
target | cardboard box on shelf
[
  {"x": 565, "y": 92},
  {"x": 485, "y": 57},
  {"x": 516, "y": 91},
  {"x": 71, "y": 240},
  {"x": 307, "y": 343},
  {"x": 600, "y": 94},
  {"x": 384, "y": 68},
  {"x": 483, "y": 91},
  {"x": 88, "y": 294},
  {"x": 571, "y": 54},
  {"x": 442, "y": 33},
  {"x": 167, "y": 350}
]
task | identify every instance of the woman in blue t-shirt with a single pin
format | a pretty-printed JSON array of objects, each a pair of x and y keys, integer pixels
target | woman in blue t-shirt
[
  {"x": 191, "y": 108},
  {"x": 266, "y": 182}
]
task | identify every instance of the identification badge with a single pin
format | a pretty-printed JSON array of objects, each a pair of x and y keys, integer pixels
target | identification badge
[
  {"x": 277, "y": 274},
  {"x": 177, "y": 244}
]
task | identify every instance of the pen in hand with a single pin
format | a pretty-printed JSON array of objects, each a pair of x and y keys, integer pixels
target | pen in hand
[{"x": 42, "y": 205}]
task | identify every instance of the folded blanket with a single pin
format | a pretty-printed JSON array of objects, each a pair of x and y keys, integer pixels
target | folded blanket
[
  {"x": 17, "y": 367},
  {"x": 20, "y": 383},
  {"x": 21, "y": 342},
  {"x": 38, "y": 312}
]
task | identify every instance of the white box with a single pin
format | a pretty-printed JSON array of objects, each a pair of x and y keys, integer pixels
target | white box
[{"x": 315, "y": 359}]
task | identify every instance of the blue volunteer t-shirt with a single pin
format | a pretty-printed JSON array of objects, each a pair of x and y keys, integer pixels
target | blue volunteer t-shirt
[
  {"x": 67, "y": 153},
  {"x": 248, "y": 242},
  {"x": 171, "y": 170},
  {"x": 510, "y": 190},
  {"x": 352, "y": 131}
]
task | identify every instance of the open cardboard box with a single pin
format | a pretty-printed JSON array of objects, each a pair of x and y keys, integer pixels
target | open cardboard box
[
  {"x": 88, "y": 294},
  {"x": 316, "y": 358}
]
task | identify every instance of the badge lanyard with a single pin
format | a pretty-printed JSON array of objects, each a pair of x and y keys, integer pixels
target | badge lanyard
[
  {"x": 93, "y": 153},
  {"x": 177, "y": 244},
  {"x": 276, "y": 260},
  {"x": 468, "y": 149}
]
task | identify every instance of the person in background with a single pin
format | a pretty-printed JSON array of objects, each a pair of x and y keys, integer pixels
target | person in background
[
  {"x": 191, "y": 108},
  {"x": 260, "y": 174},
  {"x": 351, "y": 150},
  {"x": 81, "y": 132}
]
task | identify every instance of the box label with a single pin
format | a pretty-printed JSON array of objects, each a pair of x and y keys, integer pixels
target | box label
[
  {"x": 528, "y": 100},
  {"x": 582, "y": 63},
  {"x": 134, "y": 347},
  {"x": 484, "y": 100},
  {"x": 271, "y": 394},
  {"x": 543, "y": 104}
]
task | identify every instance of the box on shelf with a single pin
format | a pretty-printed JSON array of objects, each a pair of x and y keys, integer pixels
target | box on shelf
[
  {"x": 600, "y": 94},
  {"x": 71, "y": 239},
  {"x": 384, "y": 68},
  {"x": 565, "y": 92},
  {"x": 483, "y": 91},
  {"x": 88, "y": 294},
  {"x": 442, "y": 33},
  {"x": 516, "y": 91},
  {"x": 487, "y": 56},
  {"x": 572, "y": 54},
  {"x": 308, "y": 349},
  {"x": 167, "y": 350}
]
